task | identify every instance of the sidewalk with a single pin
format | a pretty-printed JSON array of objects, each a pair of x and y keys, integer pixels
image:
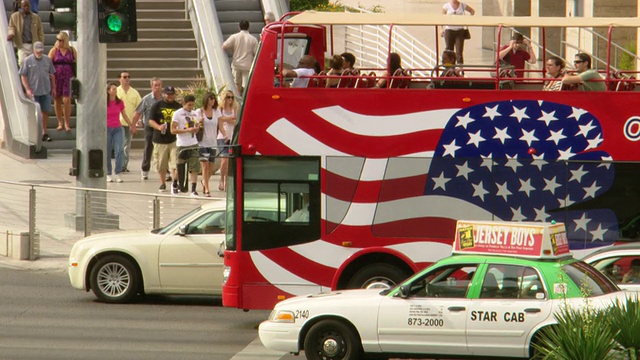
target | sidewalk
[{"x": 55, "y": 171}]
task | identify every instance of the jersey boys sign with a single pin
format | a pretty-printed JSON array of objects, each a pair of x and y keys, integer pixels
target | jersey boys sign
[{"x": 517, "y": 238}]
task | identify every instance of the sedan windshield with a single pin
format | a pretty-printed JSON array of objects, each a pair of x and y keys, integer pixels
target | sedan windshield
[{"x": 177, "y": 221}]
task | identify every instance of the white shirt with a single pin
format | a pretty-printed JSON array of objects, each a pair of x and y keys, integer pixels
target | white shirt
[
  {"x": 185, "y": 120},
  {"x": 210, "y": 128},
  {"x": 451, "y": 11},
  {"x": 227, "y": 126},
  {"x": 302, "y": 82},
  {"x": 244, "y": 47}
]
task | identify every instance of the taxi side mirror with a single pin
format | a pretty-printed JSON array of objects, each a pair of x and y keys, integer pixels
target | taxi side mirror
[
  {"x": 404, "y": 291},
  {"x": 182, "y": 230}
]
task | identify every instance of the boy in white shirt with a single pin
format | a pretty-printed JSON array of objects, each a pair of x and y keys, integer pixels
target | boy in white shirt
[{"x": 185, "y": 125}]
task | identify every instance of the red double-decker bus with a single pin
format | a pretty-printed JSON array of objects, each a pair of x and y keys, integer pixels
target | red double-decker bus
[{"x": 356, "y": 186}]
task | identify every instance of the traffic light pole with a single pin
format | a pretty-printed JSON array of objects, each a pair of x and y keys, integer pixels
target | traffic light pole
[{"x": 91, "y": 124}]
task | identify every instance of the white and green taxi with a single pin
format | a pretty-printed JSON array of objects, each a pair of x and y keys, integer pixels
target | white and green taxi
[{"x": 499, "y": 288}]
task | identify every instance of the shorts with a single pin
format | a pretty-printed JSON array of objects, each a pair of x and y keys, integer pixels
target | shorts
[
  {"x": 164, "y": 156},
  {"x": 44, "y": 101},
  {"x": 223, "y": 146},
  {"x": 191, "y": 156},
  {"x": 241, "y": 77},
  {"x": 208, "y": 154}
]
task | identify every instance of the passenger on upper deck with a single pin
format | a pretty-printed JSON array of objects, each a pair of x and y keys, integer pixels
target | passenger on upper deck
[
  {"x": 517, "y": 52},
  {"x": 555, "y": 69},
  {"x": 349, "y": 62},
  {"x": 449, "y": 64},
  {"x": 394, "y": 63},
  {"x": 306, "y": 67},
  {"x": 585, "y": 75},
  {"x": 335, "y": 63}
]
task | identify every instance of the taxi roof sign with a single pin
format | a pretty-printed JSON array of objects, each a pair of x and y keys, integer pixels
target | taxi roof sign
[{"x": 540, "y": 240}]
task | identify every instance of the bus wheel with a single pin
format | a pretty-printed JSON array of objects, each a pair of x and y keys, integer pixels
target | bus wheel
[
  {"x": 332, "y": 340},
  {"x": 376, "y": 276}
]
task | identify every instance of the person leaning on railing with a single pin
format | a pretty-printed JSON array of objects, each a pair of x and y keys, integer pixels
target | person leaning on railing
[
  {"x": 555, "y": 69},
  {"x": 585, "y": 75}
]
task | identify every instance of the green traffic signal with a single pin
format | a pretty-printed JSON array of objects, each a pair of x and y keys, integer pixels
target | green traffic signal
[{"x": 114, "y": 23}]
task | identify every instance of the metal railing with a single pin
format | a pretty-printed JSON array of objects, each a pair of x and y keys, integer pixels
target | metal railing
[
  {"x": 62, "y": 214},
  {"x": 212, "y": 59},
  {"x": 370, "y": 45}
]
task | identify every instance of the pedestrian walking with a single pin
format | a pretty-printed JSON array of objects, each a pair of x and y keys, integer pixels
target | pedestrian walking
[
  {"x": 64, "y": 59},
  {"x": 131, "y": 98},
  {"x": 164, "y": 142},
  {"x": 243, "y": 47},
  {"x": 141, "y": 118},
  {"x": 38, "y": 79},
  {"x": 25, "y": 29}
]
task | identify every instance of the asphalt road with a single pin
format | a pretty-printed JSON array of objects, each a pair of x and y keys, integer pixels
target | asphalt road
[{"x": 42, "y": 317}]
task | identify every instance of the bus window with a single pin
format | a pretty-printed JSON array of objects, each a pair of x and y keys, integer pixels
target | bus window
[{"x": 281, "y": 202}]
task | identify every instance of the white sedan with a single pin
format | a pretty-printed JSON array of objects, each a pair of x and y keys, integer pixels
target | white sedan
[
  {"x": 619, "y": 263},
  {"x": 180, "y": 258}
]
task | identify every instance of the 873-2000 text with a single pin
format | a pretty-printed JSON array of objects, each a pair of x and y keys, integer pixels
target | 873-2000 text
[{"x": 425, "y": 322}]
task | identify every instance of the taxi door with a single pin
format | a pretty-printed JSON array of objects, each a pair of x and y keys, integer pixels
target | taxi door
[
  {"x": 430, "y": 316},
  {"x": 512, "y": 302}
]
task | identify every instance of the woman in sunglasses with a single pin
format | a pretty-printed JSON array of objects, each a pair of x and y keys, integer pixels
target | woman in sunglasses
[
  {"x": 229, "y": 110},
  {"x": 64, "y": 59}
]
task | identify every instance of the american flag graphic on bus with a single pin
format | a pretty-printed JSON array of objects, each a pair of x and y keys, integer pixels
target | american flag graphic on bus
[{"x": 520, "y": 160}]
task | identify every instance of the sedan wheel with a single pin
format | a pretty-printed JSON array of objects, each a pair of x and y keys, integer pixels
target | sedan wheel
[
  {"x": 114, "y": 279},
  {"x": 332, "y": 340}
]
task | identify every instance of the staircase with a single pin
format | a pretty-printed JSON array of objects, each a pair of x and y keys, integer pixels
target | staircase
[
  {"x": 230, "y": 12},
  {"x": 166, "y": 48}
]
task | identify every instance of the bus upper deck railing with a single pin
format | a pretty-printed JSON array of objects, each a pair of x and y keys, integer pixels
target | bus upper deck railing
[{"x": 473, "y": 77}]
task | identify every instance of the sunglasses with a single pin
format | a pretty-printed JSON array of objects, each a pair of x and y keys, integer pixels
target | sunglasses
[
  {"x": 59, "y": 39},
  {"x": 578, "y": 61},
  {"x": 126, "y": 76},
  {"x": 229, "y": 97}
]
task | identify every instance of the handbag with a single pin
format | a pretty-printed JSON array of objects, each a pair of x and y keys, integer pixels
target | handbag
[
  {"x": 200, "y": 134},
  {"x": 467, "y": 34}
]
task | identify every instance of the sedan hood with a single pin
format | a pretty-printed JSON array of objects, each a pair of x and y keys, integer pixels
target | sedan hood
[
  {"x": 116, "y": 237},
  {"x": 339, "y": 297}
]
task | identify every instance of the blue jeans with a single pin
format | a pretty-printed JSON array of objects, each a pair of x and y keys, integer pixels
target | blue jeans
[{"x": 114, "y": 142}]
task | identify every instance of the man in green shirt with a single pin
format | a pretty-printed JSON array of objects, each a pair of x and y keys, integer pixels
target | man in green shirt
[{"x": 585, "y": 75}]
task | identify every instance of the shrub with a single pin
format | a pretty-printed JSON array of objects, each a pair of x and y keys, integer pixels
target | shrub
[{"x": 626, "y": 318}]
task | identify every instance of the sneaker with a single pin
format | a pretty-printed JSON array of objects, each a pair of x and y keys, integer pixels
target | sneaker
[
  {"x": 118, "y": 178},
  {"x": 145, "y": 175},
  {"x": 194, "y": 194},
  {"x": 168, "y": 178},
  {"x": 109, "y": 178},
  {"x": 175, "y": 191},
  {"x": 125, "y": 170},
  {"x": 162, "y": 188},
  {"x": 46, "y": 137}
]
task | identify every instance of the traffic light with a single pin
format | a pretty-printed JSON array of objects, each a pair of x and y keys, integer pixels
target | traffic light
[
  {"x": 117, "y": 21},
  {"x": 63, "y": 15}
]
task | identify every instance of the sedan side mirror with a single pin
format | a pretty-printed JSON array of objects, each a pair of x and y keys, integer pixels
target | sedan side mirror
[
  {"x": 404, "y": 291},
  {"x": 182, "y": 230}
]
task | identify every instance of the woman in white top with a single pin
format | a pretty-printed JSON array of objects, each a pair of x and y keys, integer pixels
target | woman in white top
[
  {"x": 208, "y": 116},
  {"x": 455, "y": 35},
  {"x": 228, "y": 112}
]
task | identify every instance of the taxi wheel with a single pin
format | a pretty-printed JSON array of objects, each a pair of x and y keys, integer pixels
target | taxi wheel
[
  {"x": 114, "y": 279},
  {"x": 377, "y": 276},
  {"x": 332, "y": 340}
]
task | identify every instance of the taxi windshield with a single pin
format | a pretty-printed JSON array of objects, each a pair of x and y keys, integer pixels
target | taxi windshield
[{"x": 589, "y": 278}]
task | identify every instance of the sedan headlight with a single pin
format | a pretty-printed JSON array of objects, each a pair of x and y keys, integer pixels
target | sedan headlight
[{"x": 282, "y": 316}]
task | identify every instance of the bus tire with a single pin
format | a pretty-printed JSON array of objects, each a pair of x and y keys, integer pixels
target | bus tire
[
  {"x": 332, "y": 340},
  {"x": 376, "y": 276}
]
